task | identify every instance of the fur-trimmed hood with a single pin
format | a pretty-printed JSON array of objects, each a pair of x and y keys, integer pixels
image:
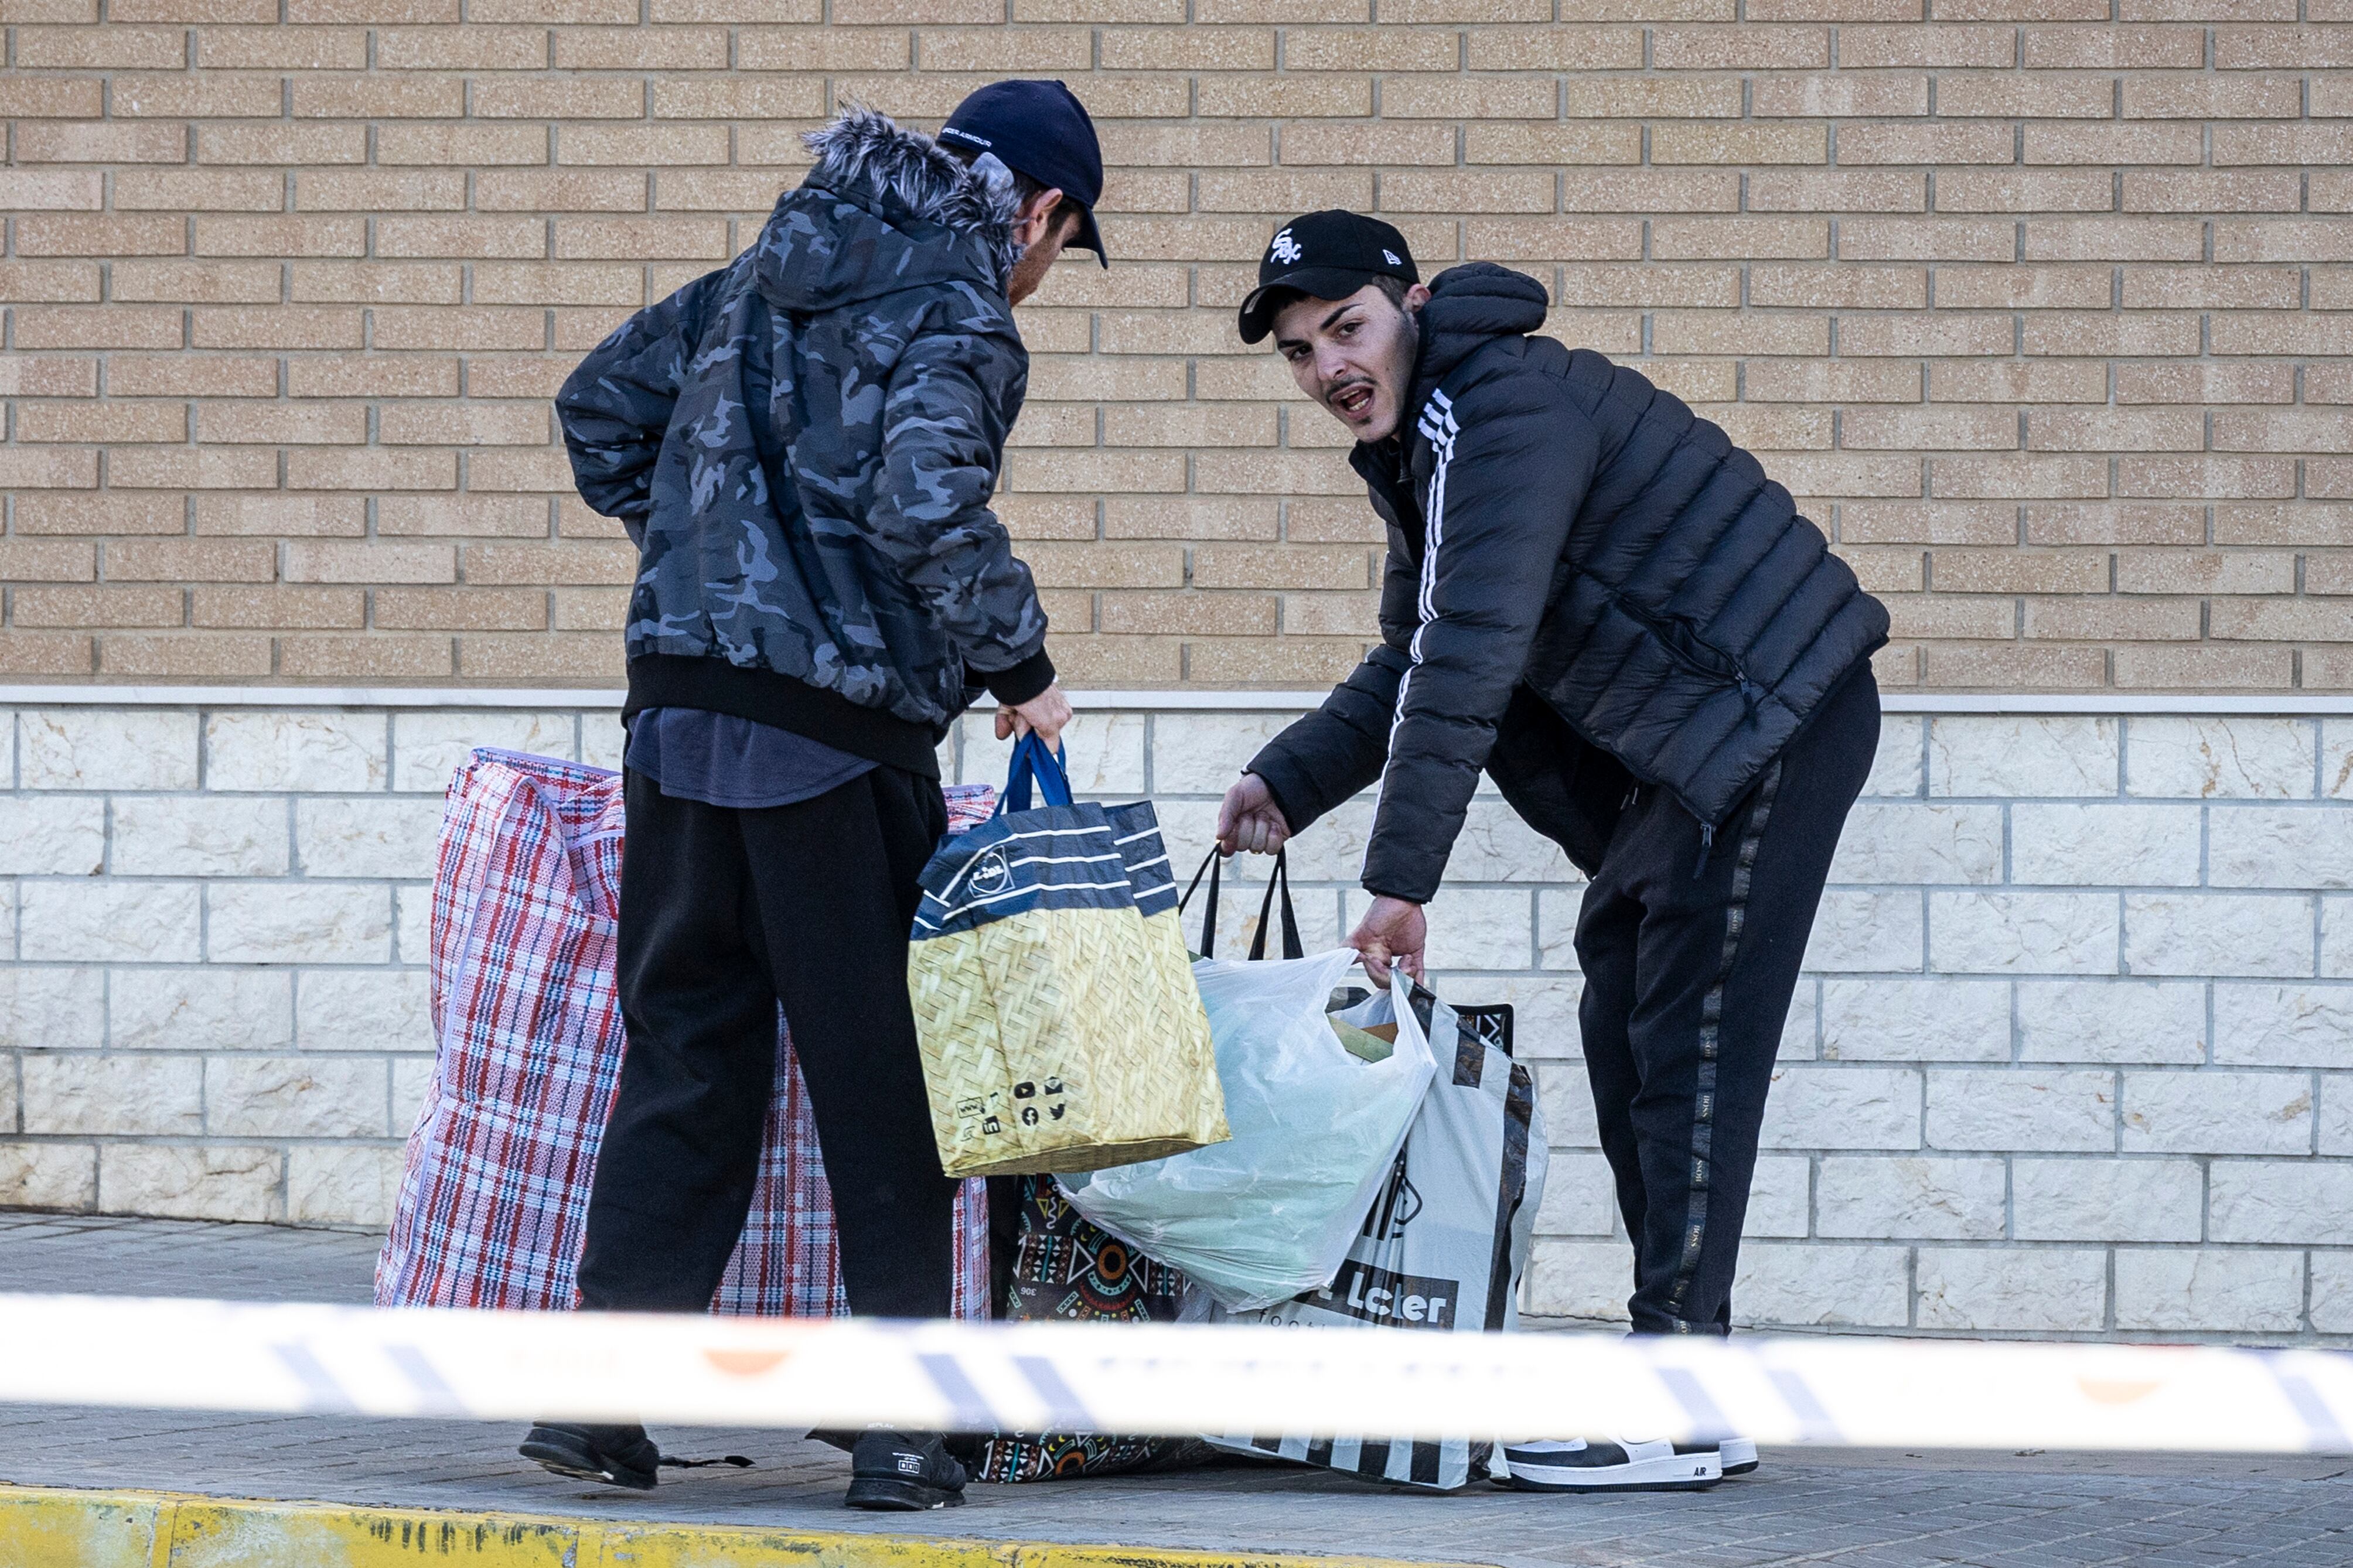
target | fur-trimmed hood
[{"x": 884, "y": 209}]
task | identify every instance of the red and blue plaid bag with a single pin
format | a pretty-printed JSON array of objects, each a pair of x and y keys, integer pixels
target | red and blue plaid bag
[{"x": 494, "y": 1198}]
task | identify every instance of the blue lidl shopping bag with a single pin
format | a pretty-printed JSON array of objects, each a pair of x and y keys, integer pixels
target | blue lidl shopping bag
[{"x": 1060, "y": 1025}]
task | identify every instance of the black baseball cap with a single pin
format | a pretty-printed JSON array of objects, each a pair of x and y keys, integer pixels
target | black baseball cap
[
  {"x": 1041, "y": 129},
  {"x": 1324, "y": 255}
]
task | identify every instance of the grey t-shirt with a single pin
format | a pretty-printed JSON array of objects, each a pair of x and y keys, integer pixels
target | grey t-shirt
[{"x": 722, "y": 760}]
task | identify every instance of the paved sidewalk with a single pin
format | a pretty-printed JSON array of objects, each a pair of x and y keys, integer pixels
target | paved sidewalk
[{"x": 1842, "y": 1510}]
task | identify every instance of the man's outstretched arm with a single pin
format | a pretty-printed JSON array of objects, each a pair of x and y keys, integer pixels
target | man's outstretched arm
[
  {"x": 944, "y": 420},
  {"x": 1511, "y": 476}
]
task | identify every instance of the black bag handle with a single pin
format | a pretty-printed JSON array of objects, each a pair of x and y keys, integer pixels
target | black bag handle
[
  {"x": 1278, "y": 884},
  {"x": 1291, "y": 946},
  {"x": 1210, "y": 867}
]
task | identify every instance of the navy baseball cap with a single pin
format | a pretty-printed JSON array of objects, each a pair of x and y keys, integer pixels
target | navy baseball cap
[
  {"x": 1326, "y": 256},
  {"x": 1041, "y": 129}
]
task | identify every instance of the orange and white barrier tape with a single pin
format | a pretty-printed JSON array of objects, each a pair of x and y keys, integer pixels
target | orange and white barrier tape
[{"x": 1167, "y": 1379}]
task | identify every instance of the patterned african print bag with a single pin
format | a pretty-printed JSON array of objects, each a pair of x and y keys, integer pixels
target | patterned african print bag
[
  {"x": 1060, "y": 1025},
  {"x": 494, "y": 1199},
  {"x": 1066, "y": 1269}
]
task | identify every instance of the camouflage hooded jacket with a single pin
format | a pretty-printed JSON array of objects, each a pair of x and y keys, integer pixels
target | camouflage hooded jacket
[{"x": 802, "y": 445}]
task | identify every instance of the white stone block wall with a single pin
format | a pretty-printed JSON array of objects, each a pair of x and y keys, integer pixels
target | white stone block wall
[
  {"x": 214, "y": 922},
  {"x": 2073, "y": 1055}
]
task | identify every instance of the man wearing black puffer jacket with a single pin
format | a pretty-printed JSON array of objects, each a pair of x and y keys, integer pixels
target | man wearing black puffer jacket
[{"x": 1596, "y": 597}]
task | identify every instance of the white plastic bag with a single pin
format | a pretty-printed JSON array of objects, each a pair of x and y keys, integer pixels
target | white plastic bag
[{"x": 1273, "y": 1211}]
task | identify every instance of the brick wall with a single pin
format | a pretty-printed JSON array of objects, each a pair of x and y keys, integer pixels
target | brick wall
[
  {"x": 2036, "y": 304},
  {"x": 2073, "y": 1053}
]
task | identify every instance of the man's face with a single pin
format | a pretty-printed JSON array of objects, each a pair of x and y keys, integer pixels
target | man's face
[
  {"x": 1354, "y": 356},
  {"x": 1040, "y": 229}
]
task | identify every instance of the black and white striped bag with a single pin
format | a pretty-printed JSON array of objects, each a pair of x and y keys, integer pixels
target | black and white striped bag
[{"x": 1443, "y": 1247}]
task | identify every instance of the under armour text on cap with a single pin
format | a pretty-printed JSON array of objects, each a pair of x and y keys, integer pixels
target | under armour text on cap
[
  {"x": 1041, "y": 129},
  {"x": 1326, "y": 256}
]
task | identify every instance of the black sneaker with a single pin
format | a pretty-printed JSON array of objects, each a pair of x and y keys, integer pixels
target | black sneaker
[
  {"x": 617, "y": 1455},
  {"x": 1628, "y": 1464},
  {"x": 903, "y": 1472}
]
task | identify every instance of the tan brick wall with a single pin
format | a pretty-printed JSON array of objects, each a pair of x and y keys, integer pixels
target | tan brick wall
[{"x": 2036, "y": 303}]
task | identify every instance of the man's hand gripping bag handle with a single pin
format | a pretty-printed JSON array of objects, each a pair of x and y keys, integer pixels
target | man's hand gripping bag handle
[{"x": 1033, "y": 759}]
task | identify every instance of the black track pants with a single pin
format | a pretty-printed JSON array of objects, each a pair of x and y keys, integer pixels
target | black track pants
[
  {"x": 1690, "y": 954},
  {"x": 725, "y": 913}
]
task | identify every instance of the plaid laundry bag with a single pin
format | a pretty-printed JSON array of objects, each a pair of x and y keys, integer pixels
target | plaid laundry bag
[
  {"x": 494, "y": 1199},
  {"x": 1059, "y": 1026}
]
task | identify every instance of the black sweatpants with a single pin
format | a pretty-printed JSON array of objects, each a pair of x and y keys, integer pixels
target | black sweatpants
[
  {"x": 725, "y": 913},
  {"x": 1691, "y": 953}
]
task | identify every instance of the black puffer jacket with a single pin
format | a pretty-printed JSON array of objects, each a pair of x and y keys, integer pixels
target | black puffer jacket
[{"x": 1575, "y": 561}]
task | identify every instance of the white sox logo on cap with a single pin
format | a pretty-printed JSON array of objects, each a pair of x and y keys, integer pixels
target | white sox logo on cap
[{"x": 1284, "y": 249}]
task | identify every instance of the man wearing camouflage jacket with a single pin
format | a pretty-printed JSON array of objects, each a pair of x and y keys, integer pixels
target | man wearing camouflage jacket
[{"x": 802, "y": 445}]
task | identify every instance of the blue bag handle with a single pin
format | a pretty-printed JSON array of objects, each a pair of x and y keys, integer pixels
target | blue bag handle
[{"x": 1032, "y": 760}]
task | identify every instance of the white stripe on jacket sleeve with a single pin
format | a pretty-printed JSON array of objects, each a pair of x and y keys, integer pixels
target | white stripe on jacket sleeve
[{"x": 1438, "y": 427}]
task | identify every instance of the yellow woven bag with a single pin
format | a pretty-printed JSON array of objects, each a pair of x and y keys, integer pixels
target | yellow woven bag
[{"x": 1055, "y": 1006}]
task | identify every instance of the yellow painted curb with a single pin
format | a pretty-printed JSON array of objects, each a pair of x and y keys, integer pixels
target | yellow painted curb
[{"x": 53, "y": 1528}]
